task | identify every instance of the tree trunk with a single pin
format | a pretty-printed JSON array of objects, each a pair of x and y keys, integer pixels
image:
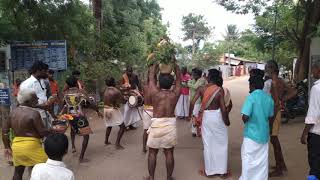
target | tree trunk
[
  {"x": 193, "y": 44},
  {"x": 97, "y": 6},
  {"x": 311, "y": 20}
]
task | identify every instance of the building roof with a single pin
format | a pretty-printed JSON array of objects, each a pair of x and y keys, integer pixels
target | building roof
[{"x": 235, "y": 60}]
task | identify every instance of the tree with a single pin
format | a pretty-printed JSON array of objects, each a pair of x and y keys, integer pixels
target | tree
[
  {"x": 128, "y": 31},
  {"x": 207, "y": 57},
  {"x": 196, "y": 29},
  {"x": 232, "y": 33},
  {"x": 48, "y": 20},
  {"x": 306, "y": 13}
]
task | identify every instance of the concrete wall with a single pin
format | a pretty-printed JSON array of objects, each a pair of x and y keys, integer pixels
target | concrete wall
[{"x": 314, "y": 56}]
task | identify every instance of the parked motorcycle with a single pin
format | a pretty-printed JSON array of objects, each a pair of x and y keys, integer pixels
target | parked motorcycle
[{"x": 298, "y": 105}]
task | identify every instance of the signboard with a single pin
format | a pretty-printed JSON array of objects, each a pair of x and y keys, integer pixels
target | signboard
[
  {"x": 53, "y": 53},
  {"x": 5, "y": 96}
]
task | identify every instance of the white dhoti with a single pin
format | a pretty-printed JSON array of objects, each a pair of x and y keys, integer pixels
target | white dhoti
[
  {"x": 147, "y": 116},
  {"x": 195, "y": 113},
  {"x": 215, "y": 142},
  {"x": 162, "y": 133},
  {"x": 254, "y": 160},
  {"x": 182, "y": 107},
  {"x": 131, "y": 115},
  {"x": 112, "y": 116}
]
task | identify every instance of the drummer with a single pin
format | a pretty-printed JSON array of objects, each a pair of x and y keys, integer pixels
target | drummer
[
  {"x": 147, "y": 113},
  {"x": 76, "y": 108},
  {"x": 112, "y": 115},
  {"x": 130, "y": 82}
]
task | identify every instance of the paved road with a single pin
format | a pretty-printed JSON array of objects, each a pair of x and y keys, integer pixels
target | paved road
[{"x": 107, "y": 163}]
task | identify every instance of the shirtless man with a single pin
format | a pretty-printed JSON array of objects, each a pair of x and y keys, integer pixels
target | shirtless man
[
  {"x": 147, "y": 114},
  {"x": 164, "y": 101},
  {"x": 112, "y": 115},
  {"x": 278, "y": 89},
  {"x": 28, "y": 129},
  {"x": 214, "y": 123},
  {"x": 75, "y": 108}
]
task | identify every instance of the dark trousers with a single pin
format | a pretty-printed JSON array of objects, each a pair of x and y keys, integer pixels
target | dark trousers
[{"x": 314, "y": 154}]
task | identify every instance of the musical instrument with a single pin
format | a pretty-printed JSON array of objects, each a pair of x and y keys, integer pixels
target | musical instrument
[
  {"x": 135, "y": 101},
  {"x": 80, "y": 125},
  {"x": 60, "y": 126}
]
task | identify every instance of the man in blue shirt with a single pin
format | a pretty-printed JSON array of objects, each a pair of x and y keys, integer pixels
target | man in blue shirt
[{"x": 257, "y": 113}]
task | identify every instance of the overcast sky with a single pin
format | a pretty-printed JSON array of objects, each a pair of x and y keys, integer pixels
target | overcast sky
[{"x": 217, "y": 16}]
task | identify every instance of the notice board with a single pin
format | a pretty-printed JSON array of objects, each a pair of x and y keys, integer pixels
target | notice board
[
  {"x": 53, "y": 53},
  {"x": 5, "y": 97}
]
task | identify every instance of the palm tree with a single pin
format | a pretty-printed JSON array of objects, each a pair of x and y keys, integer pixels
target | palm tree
[{"x": 232, "y": 33}]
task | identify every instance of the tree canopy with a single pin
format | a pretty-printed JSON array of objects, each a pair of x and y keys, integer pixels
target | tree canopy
[
  {"x": 128, "y": 30},
  {"x": 297, "y": 24},
  {"x": 196, "y": 29}
]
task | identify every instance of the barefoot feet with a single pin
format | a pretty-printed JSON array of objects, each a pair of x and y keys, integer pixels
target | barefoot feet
[
  {"x": 148, "y": 178},
  {"x": 107, "y": 143},
  {"x": 119, "y": 147},
  {"x": 144, "y": 150},
  {"x": 81, "y": 160}
]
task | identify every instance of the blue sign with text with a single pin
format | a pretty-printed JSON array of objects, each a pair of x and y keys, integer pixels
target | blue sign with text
[
  {"x": 5, "y": 97},
  {"x": 53, "y": 53}
]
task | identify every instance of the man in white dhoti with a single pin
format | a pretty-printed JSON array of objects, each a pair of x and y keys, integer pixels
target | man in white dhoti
[
  {"x": 226, "y": 91},
  {"x": 183, "y": 104},
  {"x": 147, "y": 114},
  {"x": 130, "y": 81},
  {"x": 214, "y": 129},
  {"x": 162, "y": 131},
  {"x": 132, "y": 116},
  {"x": 193, "y": 85},
  {"x": 257, "y": 114},
  {"x": 112, "y": 115}
]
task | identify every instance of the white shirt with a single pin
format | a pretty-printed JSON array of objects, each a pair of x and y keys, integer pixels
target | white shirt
[
  {"x": 313, "y": 116},
  {"x": 38, "y": 86},
  {"x": 267, "y": 86},
  {"x": 51, "y": 170}
]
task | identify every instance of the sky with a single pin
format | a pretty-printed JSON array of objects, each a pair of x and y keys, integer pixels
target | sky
[{"x": 216, "y": 16}]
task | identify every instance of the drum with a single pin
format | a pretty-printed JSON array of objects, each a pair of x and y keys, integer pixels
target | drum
[
  {"x": 135, "y": 101},
  {"x": 80, "y": 125},
  {"x": 60, "y": 126}
]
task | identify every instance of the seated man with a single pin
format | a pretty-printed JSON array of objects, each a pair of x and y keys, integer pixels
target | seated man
[
  {"x": 56, "y": 146},
  {"x": 28, "y": 128},
  {"x": 112, "y": 115},
  {"x": 162, "y": 131}
]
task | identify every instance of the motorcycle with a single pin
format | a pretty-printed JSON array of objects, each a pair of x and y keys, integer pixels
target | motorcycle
[{"x": 298, "y": 105}]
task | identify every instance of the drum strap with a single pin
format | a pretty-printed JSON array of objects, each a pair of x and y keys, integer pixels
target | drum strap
[{"x": 147, "y": 113}]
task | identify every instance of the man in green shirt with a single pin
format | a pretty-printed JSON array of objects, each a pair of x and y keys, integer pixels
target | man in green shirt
[{"x": 196, "y": 82}]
